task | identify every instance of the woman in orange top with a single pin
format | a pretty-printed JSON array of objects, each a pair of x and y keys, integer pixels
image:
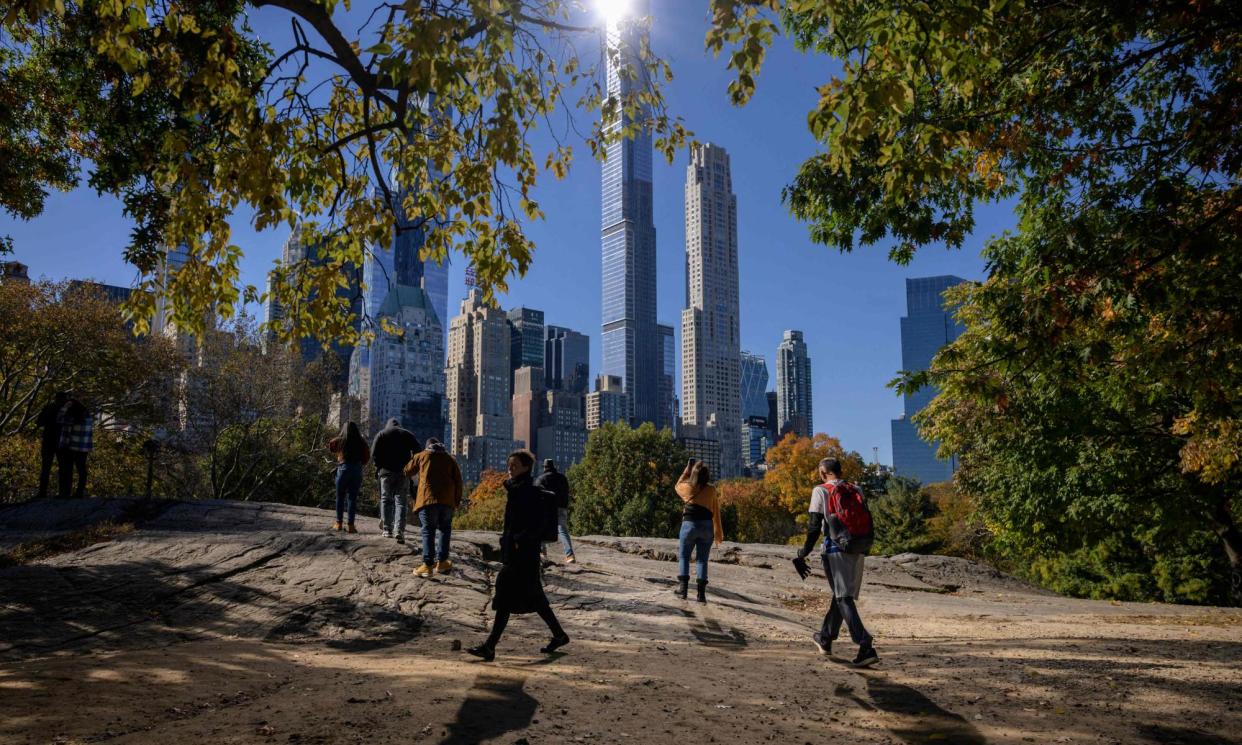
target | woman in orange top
[
  {"x": 352, "y": 453},
  {"x": 700, "y": 526}
]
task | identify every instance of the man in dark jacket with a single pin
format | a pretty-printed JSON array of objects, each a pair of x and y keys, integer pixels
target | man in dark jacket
[
  {"x": 391, "y": 450},
  {"x": 50, "y": 420},
  {"x": 554, "y": 481}
]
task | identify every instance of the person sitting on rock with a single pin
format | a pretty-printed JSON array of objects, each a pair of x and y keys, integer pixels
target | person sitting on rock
[
  {"x": 519, "y": 585},
  {"x": 439, "y": 493},
  {"x": 700, "y": 526}
]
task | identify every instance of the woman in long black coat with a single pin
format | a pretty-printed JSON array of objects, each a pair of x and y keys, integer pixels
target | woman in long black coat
[{"x": 519, "y": 586}]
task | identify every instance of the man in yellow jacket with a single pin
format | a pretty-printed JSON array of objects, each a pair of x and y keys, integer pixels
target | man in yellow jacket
[{"x": 439, "y": 491}]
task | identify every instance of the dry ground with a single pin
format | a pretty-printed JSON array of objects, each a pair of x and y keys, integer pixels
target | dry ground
[{"x": 248, "y": 623}]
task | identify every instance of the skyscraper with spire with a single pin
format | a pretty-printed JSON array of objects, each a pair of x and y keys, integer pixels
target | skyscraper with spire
[
  {"x": 628, "y": 236},
  {"x": 711, "y": 397}
]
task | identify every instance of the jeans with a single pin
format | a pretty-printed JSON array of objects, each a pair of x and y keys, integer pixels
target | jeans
[
  {"x": 562, "y": 531},
  {"x": 842, "y": 609},
  {"x": 392, "y": 486},
  {"x": 696, "y": 535},
  {"x": 68, "y": 461},
  {"x": 348, "y": 483},
  {"x": 436, "y": 518}
]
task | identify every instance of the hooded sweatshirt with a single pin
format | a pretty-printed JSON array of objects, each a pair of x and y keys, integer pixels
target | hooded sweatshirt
[
  {"x": 704, "y": 497},
  {"x": 439, "y": 478}
]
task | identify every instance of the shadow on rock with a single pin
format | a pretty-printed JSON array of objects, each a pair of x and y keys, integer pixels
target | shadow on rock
[
  {"x": 496, "y": 705},
  {"x": 346, "y": 625},
  {"x": 916, "y": 719},
  {"x": 1181, "y": 736}
]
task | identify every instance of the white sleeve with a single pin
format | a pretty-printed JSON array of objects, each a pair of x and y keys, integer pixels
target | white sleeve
[{"x": 817, "y": 500}]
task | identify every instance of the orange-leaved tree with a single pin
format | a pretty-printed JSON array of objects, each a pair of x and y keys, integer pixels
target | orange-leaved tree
[
  {"x": 486, "y": 507},
  {"x": 793, "y": 469},
  {"x": 754, "y": 513}
]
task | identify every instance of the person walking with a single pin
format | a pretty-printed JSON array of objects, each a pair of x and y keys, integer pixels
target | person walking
[
  {"x": 554, "y": 481},
  {"x": 76, "y": 442},
  {"x": 838, "y": 510},
  {"x": 519, "y": 586},
  {"x": 439, "y": 493},
  {"x": 391, "y": 450},
  {"x": 50, "y": 420},
  {"x": 352, "y": 454},
  {"x": 700, "y": 526}
]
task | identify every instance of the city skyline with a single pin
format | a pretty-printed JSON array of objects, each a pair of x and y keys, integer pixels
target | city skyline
[{"x": 847, "y": 304}]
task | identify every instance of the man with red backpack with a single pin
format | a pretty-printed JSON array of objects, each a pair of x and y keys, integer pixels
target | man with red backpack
[{"x": 838, "y": 509}]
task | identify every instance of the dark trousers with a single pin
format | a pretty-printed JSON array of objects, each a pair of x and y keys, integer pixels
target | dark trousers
[
  {"x": 502, "y": 620},
  {"x": 47, "y": 455},
  {"x": 68, "y": 461},
  {"x": 842, "y": 609}
]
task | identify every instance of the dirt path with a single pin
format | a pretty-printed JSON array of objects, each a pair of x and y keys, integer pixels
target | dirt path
[{"x": 235, "y": 623}]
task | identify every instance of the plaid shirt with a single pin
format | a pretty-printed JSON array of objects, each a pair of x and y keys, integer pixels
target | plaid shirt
[{"x": 78, "y": 436}]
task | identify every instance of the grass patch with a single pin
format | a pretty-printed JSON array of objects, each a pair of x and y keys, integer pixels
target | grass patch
[{"x": 32, "y": 551}]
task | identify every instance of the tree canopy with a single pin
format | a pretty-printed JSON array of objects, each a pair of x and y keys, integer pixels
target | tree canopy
[
  {"x": 1095, "y": 397},
  {"x": 624, "y": 485},
  {"x": 416, "y": 117}
]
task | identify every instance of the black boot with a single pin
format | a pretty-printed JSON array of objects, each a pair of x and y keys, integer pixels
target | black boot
[
  {"x": 682, "y": 587},
  {"x": 702, "y": 585}
]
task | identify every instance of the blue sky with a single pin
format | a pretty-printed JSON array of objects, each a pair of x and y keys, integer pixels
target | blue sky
[{"x": 848, "y": 305}]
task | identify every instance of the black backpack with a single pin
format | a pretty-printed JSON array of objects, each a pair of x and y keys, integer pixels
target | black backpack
[{"x": 550, "y": 521}]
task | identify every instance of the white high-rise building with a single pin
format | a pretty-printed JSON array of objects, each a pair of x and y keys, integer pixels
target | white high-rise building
[{"x": 711, "y": 395}]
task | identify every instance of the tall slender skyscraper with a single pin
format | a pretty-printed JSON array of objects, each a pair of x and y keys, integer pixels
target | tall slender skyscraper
[
  {"x": 628, "y": 233},
  {"x": 927, "y": 327},
  {"x": 711, "y": 398},
  {"x": 793, "y": 387}
]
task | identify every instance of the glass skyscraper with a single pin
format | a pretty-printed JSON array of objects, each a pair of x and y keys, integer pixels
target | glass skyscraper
[
  {"x": 628, "y": 236},
  {"x": 927, "y": 327},
  {"x": 566, "y": 360},
  {"x": 754, "y": 386}
]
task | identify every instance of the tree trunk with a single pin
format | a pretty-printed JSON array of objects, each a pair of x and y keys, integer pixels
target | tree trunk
[{"x": 1229, "y": 534}]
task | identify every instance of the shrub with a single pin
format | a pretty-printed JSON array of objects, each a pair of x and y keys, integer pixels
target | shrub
[
  {"x": 752, "y": 512},
  {"x": 485, "y": 509},
  {"x": 900, "y": 513}
]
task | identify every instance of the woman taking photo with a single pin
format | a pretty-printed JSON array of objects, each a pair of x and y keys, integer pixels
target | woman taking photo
[
  {"x": 519, "y": 587},
  {"x": 352, "y": 454},
  {"x": 700, "y": 526}
]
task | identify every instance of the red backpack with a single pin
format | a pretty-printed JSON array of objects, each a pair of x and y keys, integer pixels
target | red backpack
[{"x": 849, "y": 520}]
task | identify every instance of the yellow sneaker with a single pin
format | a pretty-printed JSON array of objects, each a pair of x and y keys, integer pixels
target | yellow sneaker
[
  {"x": 444, "y": 567},
  {"x": 336, "y": 525},
  {"x": 423, "y": 571}
]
